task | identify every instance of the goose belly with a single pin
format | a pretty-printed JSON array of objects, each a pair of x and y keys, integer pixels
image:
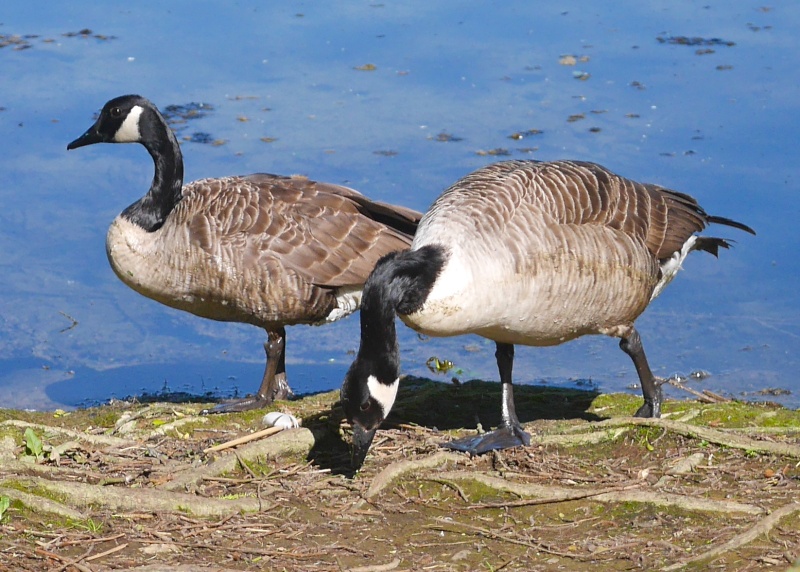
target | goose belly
[
  {"x": 168, "y": 267},
  {"x": 544, "y": 297}
]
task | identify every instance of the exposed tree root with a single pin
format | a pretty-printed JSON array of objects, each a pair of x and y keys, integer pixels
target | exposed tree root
[
  {"x": 763, "y": 526},
  {"x": 400, "y": 468},
  {"x": 287, "y": 442},
  {"x": 147, "y": 500},
  {"x": 711, "y": 435},
  {"x": 588, "y": 438},
  {"x": 88, "y": 437},
  {"x": 37, "y": 503},
  {"x": 548, "y": 493},
  {"x": 558, "y": 494}
]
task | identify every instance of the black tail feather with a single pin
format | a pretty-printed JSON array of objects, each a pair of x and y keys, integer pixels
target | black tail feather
[
  {"x": 711, "y": 244},
  {"x": 729, "y": 222}
]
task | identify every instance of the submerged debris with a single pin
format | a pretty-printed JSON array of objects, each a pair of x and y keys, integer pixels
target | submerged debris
[
  {"x": 445, "y": 137},
  {"x": 695, "y": 41},
  {"x": 527, "y": 133},
  {"x": 498, "y": 152},
  {"x": 23, "y": 42},
  {"x": 200, "y": 137},
  {"x": 571, "y": 60},
  {"x": 774, "y": 391},
  {"x": 180, "y": 114}
]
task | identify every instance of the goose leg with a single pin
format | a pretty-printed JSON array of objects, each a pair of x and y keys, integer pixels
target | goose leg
[
  {"x": 510, "y": 433},
  {"x": 631, "y": 344},
  {"x": 273, "y": 385}
]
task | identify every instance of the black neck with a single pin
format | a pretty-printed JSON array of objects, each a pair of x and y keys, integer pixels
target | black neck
[
  {"x": 378, "y": 332},
  {"x": 399, "y": 284},
  {"x": 151, "y": 210}
]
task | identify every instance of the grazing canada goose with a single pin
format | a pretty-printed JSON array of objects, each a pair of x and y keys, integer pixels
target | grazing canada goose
[
  {"x": 524, "y": 252},
  {"x": 260, "y": 249}
]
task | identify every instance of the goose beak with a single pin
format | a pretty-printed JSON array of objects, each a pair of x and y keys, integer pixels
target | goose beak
[
  {"x": 91, "y": 137},
  {"x": 362, "y": 439}
]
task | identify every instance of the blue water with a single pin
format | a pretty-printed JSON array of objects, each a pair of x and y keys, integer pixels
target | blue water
[{"x": 398, "y": 101}]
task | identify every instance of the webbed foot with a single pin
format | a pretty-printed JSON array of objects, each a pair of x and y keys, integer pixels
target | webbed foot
[
  {"x": 501, "y": 438},
  {"x": 281, "y": 391}
]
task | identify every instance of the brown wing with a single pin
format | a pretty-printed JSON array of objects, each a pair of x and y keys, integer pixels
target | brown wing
[
  {"x": 329, "y": 235},
  {"x": 573, "y": 192}
]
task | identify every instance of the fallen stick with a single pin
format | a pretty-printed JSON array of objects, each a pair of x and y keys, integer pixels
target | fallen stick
[
  {"x": 716, "y": 396},
  {"x": 61, "y": 559},
  {"x": 700, "y": 396},
  {"x": 245, "y": 439},
  {"x": 107, "y": 552}
]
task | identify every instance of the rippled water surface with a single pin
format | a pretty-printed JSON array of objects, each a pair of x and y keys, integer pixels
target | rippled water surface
[{"x": 397, "y": 100}]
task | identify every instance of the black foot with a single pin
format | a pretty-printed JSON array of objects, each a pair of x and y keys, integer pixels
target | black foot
[
  {"x": 237, "y": 405},
  {"x": 281, "y": 393},
  {"x": 651, "y": 408},
  {"x": 502, "y": 438}
]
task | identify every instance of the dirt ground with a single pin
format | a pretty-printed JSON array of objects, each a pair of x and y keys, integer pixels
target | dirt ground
[{"x": 132, "y": 486}]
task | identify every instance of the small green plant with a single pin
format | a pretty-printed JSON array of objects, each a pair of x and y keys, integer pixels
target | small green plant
[
  {"x": 89, "y": 525},
  {"x": 33, "y": 445},
  {"x": 5, "y": 502}
]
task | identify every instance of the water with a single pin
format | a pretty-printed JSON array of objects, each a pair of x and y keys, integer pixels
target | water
[{"x": 397, "y": 101}]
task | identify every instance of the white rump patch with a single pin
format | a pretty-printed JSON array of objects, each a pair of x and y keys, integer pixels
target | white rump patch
[
  {"x": 670, "y": 267},
  {"x": 348, "y": 300},
  {"x": 128, "y": 132},
  {"x": 383, "y": 394}
]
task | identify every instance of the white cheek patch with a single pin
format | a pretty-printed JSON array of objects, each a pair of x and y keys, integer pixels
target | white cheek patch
[
  {"x": 383, "y": 394},
  {"x": 128, "y": 132}
]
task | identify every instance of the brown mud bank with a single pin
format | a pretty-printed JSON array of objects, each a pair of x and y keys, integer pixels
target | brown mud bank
[{"x": 131, "y": 486}]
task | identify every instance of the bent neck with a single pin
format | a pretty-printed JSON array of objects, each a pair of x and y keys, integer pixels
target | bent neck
[
  {"x": 400, "y": 283},
  {"x": 378, "y": 332},
  {"x": 152, "y": 210}
]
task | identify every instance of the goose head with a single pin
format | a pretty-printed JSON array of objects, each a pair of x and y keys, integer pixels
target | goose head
[
  {"x": 399, "y": 283},
  {"x": 367, "y": 398},
  {"x": 124, "y": 119},
  {"x": 134, "y": 119}
]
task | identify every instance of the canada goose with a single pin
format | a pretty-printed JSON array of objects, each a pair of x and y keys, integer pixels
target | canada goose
[
  {"x": 260, "y": 249},
  {"x": 524, "y": 252}
]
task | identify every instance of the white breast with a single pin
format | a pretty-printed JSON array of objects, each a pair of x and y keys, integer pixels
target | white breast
[{"x": 568, "y": 281}]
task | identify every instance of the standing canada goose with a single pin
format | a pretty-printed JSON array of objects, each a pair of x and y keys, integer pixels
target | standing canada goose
[
  {"x": 524, "y": 252},
  {"x": 260, "y": 249}
]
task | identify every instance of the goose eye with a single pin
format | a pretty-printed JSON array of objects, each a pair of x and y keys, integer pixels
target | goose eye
[
  {"x": 364, "y": 406},
  {"x": 116, "y": 112}
]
